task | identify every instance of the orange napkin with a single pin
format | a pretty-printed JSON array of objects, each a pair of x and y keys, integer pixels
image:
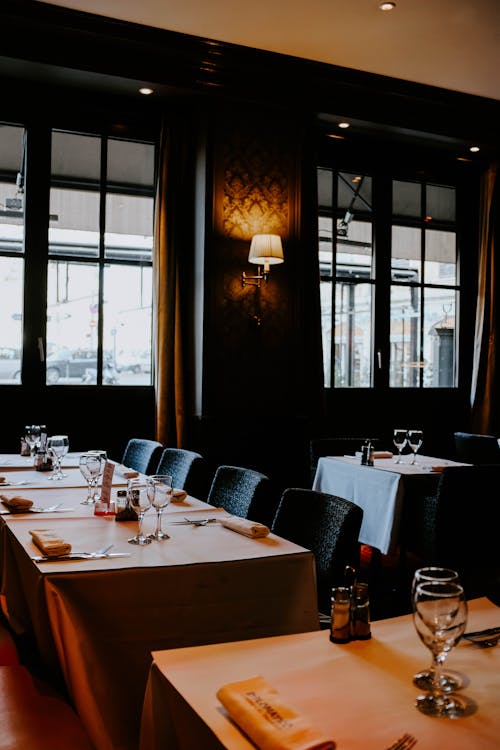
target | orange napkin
[
  {"x": 258, "y": 709},
  {"x": 16, "y": 504},
  {"x": 49, "y": 543},
  {"x": 244, "y": 526},
  {"x": 178, "y": 496}
]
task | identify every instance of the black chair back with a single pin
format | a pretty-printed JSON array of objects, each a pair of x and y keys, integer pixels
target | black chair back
[
  {"x": 472, "y": 448},
  {"x": 187, "y": 469},
  {"x": 243, "y": 492},
  {"x": 142, "y": 455},
  {"x": 458, "y": 526},
  {"x": 328, "y": 526}
]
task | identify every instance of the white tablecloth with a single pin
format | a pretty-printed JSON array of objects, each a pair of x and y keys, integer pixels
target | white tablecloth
[
  {"x": 377, "y": 489},
  {"x": 360, "y": 694}
]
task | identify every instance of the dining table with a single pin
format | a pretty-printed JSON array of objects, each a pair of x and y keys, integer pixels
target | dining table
[
  {"x": 358, "y": 694},
  {"x": 96, "y": 621},
  {"x": 17, "y": 462},
  {"x": 380, "y": 490}
]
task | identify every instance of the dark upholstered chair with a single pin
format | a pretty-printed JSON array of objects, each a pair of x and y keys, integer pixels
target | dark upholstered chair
[
  {"x": 142, "y": 455},
  {"x": 458, "y": 526},
  {"x": 328, "y": 526},
  {"x": 243, "y": 492},
  {"x": 187, "y": 469},
  {"x": 472, "y": 448},
  {"x": 335, "y": 446}
]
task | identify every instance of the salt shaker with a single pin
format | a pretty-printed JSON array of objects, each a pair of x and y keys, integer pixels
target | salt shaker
[{"x": 341, "y": 608}]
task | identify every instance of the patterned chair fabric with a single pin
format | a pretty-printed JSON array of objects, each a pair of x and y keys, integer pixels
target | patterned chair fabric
[
  {"x": 457, "y": 527},
  {"x": 142, "y": 455},
  {"x": 327, "y": 525},
  {"x": 187, "y": 469},
  {"x": 472, "y": 448},
  {"x": 243, "y": 492}
]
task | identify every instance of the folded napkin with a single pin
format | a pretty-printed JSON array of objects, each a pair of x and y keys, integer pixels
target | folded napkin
[
  {"x": 272, "y": 725},
  {"x": 49, "y": 543},
  {"x": 244, "y": 526},
  {"x": 178, "y": 496},
  {"x": 16, "y": 504},
  {"x": 377, "y": 454}
]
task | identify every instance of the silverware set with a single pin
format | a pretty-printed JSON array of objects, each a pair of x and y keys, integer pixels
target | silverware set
[
  {"x": 195, "y": 522},
  {"x": 484, "y": 638},
  {"x": 99, "y": 554}
]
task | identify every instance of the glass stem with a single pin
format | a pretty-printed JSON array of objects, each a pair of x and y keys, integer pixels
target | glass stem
[
  {"x": 437, "y": 674},
  {"x": 140, "y": 516}
]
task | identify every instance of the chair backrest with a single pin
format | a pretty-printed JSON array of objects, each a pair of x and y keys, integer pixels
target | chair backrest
[
  {"x": 327, "y": 525},
  {"x": 243, "y": 492},
  {"x": 472, "y": 448},
  {"x": 187, "y": 469},
  {"x": 142, "y": 455},
  {"x": 458, "y": 527}
]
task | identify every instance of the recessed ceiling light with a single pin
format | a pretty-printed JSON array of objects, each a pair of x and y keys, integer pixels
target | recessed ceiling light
[
  {"x": 344, "y": 124},
  {"x": 387, "y": 6},
  {"x": 146, "y": 91},
  {"x": 474, "y": 149}
]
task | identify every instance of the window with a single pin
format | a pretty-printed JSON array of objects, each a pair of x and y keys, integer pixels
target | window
[
  {"x": 98, "y": 259},
  {"x": 402, "y": 259},
  {"x": 11, "y": 252}
]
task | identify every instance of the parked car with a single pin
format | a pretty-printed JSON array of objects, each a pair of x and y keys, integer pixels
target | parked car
[
  {"x": 10, "y": 363},
  {"x": 75, "y": 363}
]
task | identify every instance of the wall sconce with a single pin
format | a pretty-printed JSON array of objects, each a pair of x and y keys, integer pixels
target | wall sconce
[{"x": 265, "y": 250}]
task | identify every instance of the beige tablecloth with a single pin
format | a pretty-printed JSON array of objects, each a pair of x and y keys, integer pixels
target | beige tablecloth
[
  {"x": 360, "y": 694},
  {"x": 98, "y": 620}
]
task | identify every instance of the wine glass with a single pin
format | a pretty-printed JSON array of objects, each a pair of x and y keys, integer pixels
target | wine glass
[
  {"x": 139, "y": 496},
  {"x": 32, "y": 437},
  {"x": 57, "y": 447},
  {"x": 440, "y": 617},
  {"x": 415, "y": 439},
  {"x": 160, "y": 495},
  {"x": 399, "y": 438},
  {"x": 91, "y": 469},
  {"x": 424, "y": 679}
]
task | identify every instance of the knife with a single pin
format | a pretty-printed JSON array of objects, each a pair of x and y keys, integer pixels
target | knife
[
  {"x": 78, "y": 556},
  {"x": 480, "y": 634},
  {"x": 195, "y": 522}
]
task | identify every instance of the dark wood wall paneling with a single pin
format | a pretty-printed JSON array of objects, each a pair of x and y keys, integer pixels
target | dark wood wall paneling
[{"x": 262, "y": 399}]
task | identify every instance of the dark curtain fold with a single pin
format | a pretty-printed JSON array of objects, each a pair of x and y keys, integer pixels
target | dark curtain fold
[
  {"x": 173, "y": 259},
  {"x": 486, "y": 362}
]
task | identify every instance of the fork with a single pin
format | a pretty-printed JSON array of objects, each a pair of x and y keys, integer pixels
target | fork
[{"x": 403, "y": 743}]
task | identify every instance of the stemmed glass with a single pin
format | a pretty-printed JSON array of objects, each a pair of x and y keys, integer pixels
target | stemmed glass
[
  {"x": 160, "y": 495},
  {"x": 415, "y": 439},
  {"x": 57, "y": 447},
  {"x": 425, "y": 678},
  {"x": 440, "y": 617},
  {"x": 32, "y": 437},
  {"x": 139, "y": 496},
  {"x": 399, "y": 438},
  {"x": 91, "y": 468}
]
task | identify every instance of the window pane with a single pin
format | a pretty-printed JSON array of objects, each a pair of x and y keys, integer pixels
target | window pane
[
  {"x": 325, "y": 196},
  {"x": 439, "y": 338},
  {"x": 406, "y": 254},
  {"x": 127, "y": 322},
  {"x": 326, "y": 329},
  {"x": 130, "y": 163},
  {"x": 353, "y": 335},
  {"x": 74, "y": 223},
  {"x": 440, "y": 203},
  {"x": 406, "y": 199},
  {"x": 72, "y": 315},
  {"x": 129, "y": 227},
  {"x": 354, "y": 192},
  {"x": 440, "y": 257},
  {"x": 11, "y": 306},
  {"x": 77, "y": 157},
  {"x": 354, "y": 254},
  {"x": 325, "y": 245},
  {"x": 405, "y": 337}
]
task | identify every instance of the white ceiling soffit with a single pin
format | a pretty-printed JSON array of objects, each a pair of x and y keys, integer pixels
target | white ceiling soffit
[{"x": 453, "y": 44}]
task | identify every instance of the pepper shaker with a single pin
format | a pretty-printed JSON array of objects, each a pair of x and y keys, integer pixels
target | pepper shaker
[{"x": 360, "y": 612}]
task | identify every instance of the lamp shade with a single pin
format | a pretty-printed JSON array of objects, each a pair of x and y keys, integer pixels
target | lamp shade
[{"x": 266, "y": 250}]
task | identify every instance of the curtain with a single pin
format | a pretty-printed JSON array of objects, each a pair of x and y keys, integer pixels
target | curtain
[
  {"x": 486, "y": 363},
  {"x": 172, "y": 259}
]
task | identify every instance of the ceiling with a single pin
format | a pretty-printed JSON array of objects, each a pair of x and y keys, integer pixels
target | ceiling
[{"x": 453, "y": 44}]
